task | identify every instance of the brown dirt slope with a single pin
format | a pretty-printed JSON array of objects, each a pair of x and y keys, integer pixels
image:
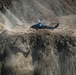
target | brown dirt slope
[
  {"x": 25, "y": 51},
  {"x": 29, "y": 11}
]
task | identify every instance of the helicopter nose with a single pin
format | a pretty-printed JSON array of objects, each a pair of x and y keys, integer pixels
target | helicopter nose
[{"x": 32, "y": 26}]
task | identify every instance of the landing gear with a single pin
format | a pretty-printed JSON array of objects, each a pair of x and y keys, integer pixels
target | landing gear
[{"x": 1, "y": 6}]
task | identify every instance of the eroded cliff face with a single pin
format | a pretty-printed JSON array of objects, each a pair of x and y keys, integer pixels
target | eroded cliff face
[
  {"x": 37, "y": 54},
  {"x": 25, "y": 51}
]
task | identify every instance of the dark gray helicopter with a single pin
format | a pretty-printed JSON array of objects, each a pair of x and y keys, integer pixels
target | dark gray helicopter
[
  {"x": 1, "y": 6},
  {"x": 39, "y": 25}
]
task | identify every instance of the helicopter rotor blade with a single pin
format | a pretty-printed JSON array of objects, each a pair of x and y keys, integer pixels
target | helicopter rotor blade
[
  {"x": 39, "y": 20},
  {"x": 46, "y": 23}
]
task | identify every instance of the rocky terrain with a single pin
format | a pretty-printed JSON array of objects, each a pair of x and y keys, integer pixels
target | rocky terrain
[{"x": 26, "y": 51}]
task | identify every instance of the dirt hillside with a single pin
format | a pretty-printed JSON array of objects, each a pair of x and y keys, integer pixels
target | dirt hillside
[
  {"x": 30, "y": 11},
  {"x": 26, "y": 51}
]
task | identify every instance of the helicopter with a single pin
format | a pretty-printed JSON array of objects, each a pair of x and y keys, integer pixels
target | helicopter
[
  {"x": 1, "y": 6},
  {"x": 40, "y": 25}
]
